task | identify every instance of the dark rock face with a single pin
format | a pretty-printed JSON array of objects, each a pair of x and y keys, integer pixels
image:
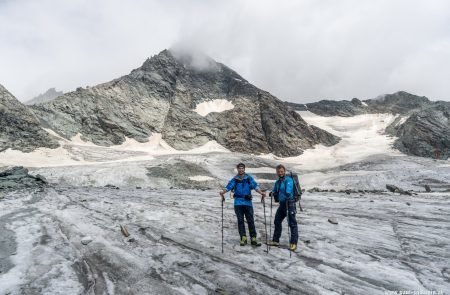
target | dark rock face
[
  {"x": 19, "y": 127},
  {"x": 396, "y": 189},
  {"x": 426, "y": 133},
  {"x": 18, "y": 178},
  {"x": 296, "y": 106},
  {"x": 398, "y": 103},
  {"x": 160, "y": 97},
  {"x": 343, "y": 108},
  {"x": 49, "y": 95}
]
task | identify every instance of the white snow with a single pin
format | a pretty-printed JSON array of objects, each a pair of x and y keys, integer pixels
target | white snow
[
  {"x": 39, "y": 158},
  {"x": 201, "y": 178},
  {"x": 155, "y": 144},
  {"x": 210, "y": 146},
  {"x": 376, "y": 246},
  {"x": 260, "y": 170},
  {"x": 213, "y": 106},
  {"x": 32, "y": 257},
  {"x": 402, "y": 120},
  {"x": 76, "y": 140},
  {"x": 364, "y": 104},
  {"x": 25, "y": 237},
  {"x": 51, "y": 132},
  {"x": 109, "y": 284},
  {"x": 79, "y": 152},
  {"x": 361, "y": 137}
]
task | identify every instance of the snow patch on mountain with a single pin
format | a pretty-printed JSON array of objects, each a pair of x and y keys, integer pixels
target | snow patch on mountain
[
  {"x": 154, "y": 144},
  {"x": 402, "y": 120},
  {"x": 201, "y": 178},
  {"x": 213, "y": 106},
  {"x": 80, "y": 152},
  {"x": 362, "y": 137},
  {"x": 209, "y": 147}
]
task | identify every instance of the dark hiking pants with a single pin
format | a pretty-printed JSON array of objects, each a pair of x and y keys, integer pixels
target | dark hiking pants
[
  {"x": 247, "y": 211},
  {"x": 279, "y": 217}
]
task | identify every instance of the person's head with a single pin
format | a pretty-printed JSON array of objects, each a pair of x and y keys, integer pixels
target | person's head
[
  {"x": 240, "y": 168},
  {"x": 281, "y": 170}
]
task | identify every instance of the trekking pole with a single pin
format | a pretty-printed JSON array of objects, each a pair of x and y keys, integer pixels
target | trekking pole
[
  {"x": 265, "y": 223},
  {"x": 223, "y": 200},
  {"x": 300, "y": 206},
  {"x": 289, "y": 232},
  {"x": 270, "y": 220}
]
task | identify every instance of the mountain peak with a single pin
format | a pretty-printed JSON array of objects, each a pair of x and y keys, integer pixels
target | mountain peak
[
  {"x": 192, "y": 60},
  {"x": 161, "y": 97},
  {"x": 48, "y": 95}
]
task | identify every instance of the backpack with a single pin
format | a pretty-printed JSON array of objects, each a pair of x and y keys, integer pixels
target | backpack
[
  {"x": 297, "y": 191},
  {"x": 297, "y": 188},
  {"x": 238, "y": 180},
  {"x": 243, "y": 181}
]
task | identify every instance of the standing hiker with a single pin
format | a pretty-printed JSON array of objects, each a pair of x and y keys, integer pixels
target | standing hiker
[
  {"x": 242, "y": 185},
  {"x": 283, "y": 192}
]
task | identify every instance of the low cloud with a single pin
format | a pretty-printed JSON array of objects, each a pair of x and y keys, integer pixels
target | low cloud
[
  {"x": 193, "y": 58},
  {"x": 299, "y": 50}
]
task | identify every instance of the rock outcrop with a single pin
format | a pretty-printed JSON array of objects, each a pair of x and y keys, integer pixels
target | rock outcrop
[
  {"x": 343, "y": 108},
  {"x": 161, "y": 96},
  {"x": 397, "y": 103},
  {"x": 19, "y": 127},
  {"x": 400, "y": 102},
  {"x": 296, "y": 106},
  {"x": 18, "y": 178},
  {"x": 426, "y": 133}
]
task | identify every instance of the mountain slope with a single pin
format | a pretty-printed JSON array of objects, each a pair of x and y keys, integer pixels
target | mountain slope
[
  {"x": 343, "y": 108},
  {"x": 49, "y": 95},
  {"x": 426, "y": 133},
  {"x": 400, "y": 102},
  {"x": 19, "y": 128},
  {"x": 161, "y": 97},
  {"x": 422, "y": 127}
]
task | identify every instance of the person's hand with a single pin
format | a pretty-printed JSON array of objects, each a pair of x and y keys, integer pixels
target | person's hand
[
  {"x": 222, "y": 196},
  {"x": 263, "y": 195}
]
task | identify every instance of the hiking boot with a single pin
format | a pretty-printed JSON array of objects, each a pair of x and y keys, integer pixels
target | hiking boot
[
  {"x": 255, "y": 242},
  {"x": 243, "y": 241},
  {"x": 274, "y": 244},
  {"x": 293, "y": 247}
]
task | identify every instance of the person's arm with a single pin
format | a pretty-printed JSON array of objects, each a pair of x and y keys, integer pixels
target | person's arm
[
  {"x": 274, "y": 189},
  {"x": 229, "y": 187},
  {"x": 256, "y": 187}
]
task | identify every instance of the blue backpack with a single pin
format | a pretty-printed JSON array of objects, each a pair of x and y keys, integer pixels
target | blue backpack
[{"x": 242, "y": 182}]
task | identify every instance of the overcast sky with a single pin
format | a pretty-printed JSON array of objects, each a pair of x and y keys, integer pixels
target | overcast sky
[{"x": 300, "y": 51}]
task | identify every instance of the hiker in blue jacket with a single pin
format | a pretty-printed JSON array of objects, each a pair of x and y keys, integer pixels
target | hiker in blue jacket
[
  {"x": 242, "y": 185},
  {"x": 283, "y": 192}
]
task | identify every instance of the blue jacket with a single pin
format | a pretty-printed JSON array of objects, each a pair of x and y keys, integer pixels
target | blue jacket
[
  {"x": 242, "y": 186},
  {"x": 285, "y": 188}
]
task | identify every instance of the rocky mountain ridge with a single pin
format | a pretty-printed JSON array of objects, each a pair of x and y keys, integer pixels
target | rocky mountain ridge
[
  {"x": 49, "y": 95},
  {"x": 160, "y": 97},
  {"x": 19, "y": 127},
  {"x": 422, "y": 127}
]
